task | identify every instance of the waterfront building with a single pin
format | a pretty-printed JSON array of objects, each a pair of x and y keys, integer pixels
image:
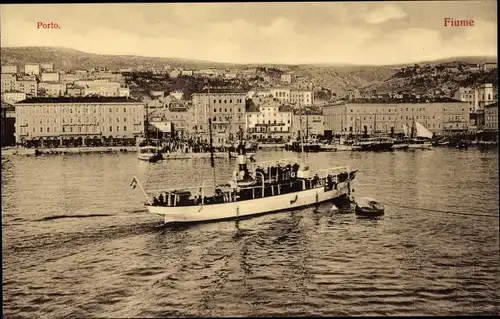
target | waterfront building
[
  {"x": 374, "y": 118},
  {"x": 175, "y": 112},
  {"x": 8, "y": 82},
  {"x": 308, "y": 122},
  {"x": 74, "y": 90},
  {"x": 7, "y": 124},
  {"x": 32, "y": 69},
  {"x": 13, "y": 96},
  {"x": 466, "y": 95},
  {"x": 489, "y": 66},
  {"x": 9, "y": 69},
  {"x": 50, "y": 77},
  {"x": 30, "y": 87},
  {"x": 79, "y": 121},
  {"x": 47, "y": 67},
  {"x": 268, "y": 119},
  {"x": 491, "y": 117},
  {"x": 226, "y": 108},
  {"x": 52, "y": 89}
]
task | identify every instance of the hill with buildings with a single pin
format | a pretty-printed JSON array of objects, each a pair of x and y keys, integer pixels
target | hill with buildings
[
  {"x": 65, "y": 58},
  {"x": 440, "y": 79},
  {"x": 434, "y": 77}
]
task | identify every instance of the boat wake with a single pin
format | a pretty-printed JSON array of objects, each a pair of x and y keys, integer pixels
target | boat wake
[{"x": 72, "y": 216}]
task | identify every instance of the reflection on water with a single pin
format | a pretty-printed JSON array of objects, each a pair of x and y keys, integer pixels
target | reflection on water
[{"x": 77, "y": 242}]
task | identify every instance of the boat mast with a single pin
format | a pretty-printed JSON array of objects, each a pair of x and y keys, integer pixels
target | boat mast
[
  {"x": 212, "y": 162},
  {"x": 146, "y": 129},
  {"x": 375, "y": 124}
]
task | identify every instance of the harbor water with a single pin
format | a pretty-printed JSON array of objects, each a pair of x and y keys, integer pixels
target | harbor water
[{"x": 77, "y": 241}]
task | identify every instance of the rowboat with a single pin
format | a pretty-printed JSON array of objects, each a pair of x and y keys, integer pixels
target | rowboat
[{"x": 369, "y": 207}]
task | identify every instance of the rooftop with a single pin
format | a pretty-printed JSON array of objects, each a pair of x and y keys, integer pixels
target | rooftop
[
  {"x": 221, "y": 90},
  {"x": 78, "y": 99}
]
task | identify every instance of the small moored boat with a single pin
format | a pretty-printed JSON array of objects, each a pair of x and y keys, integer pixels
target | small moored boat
[{"x": 369, "y": 207}]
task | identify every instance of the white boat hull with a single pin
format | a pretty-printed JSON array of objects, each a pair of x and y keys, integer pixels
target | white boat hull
[
  {"x": 424, "y": 146},
  {"x": 341, "y": 147},
  {"x": 145, "y": 156},
  {"x": 247, "y": 208}
]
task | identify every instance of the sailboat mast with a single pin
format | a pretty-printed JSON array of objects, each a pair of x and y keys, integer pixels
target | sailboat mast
[
  {"x": 212, "y": 162},
  {"x": 146, "y": 129}
]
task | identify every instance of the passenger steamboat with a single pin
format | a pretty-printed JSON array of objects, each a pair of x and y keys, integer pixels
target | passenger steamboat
[{"x": 255, "y": 189}]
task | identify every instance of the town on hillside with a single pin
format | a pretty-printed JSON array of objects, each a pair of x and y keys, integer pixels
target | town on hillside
[{"x": 48, "y": 106}]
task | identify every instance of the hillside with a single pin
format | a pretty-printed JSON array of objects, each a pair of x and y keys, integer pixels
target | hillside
[
  {"x": 445, "y": 77},
  {"x": 335, "y": 78},
  {"x": 65, "y": 58}
]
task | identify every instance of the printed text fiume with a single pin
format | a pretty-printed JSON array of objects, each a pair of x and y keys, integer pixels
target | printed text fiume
[{"x": 451, "y": 22}]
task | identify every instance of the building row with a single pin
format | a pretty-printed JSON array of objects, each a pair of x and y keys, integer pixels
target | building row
[{"x": 92, "y": 120}]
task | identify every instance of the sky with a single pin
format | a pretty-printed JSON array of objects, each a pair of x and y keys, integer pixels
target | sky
[{"x": 376, "y": 33}]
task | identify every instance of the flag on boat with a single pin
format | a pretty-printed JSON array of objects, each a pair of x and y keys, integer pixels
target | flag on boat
[{"x": 134, "y": 183}]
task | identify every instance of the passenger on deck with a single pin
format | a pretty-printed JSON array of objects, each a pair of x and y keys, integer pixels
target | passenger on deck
[
  {"x": 329, "y": 182},
  {"x": 161, "y": 200},
  {"x": 315, "y": 180},
  {"x": 295, "y": 168},
  {"x": 155, "y": 202}
]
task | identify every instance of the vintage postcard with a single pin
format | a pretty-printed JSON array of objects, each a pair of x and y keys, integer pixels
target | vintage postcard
[{"x": 249, "y": 159}]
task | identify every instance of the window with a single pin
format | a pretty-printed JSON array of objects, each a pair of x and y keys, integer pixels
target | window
[
  {"x": 71, "y": 129},
  {"x": 125, "y": 128},
  {"x": 124, "y": 109},
  {"x": 124, "y": 119},
  {"x": 48, "y": 129},
  {"x": 215, "y": 110},
  {"x": 64, "y": 129},
  {"x": 220, "y": 101},
  {"x": 117, "y": 120},
  {"x": 111, "y": 129},
  {"x": 230, "y": 101},
  {"x": 117, "y": 128},
  {"x": 215, "y": 101}
]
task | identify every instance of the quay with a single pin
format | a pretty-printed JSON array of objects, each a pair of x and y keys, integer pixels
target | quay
[{"x": 102, "y": 149}]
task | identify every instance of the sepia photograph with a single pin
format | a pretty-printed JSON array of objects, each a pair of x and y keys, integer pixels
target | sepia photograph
[{"x": 223, "y": 159}]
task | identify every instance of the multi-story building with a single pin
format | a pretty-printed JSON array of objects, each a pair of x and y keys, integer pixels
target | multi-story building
[
  {"x": 484, "y": 95},
  {"x": 7, "y": 125},
  {"x": 74, "y": 90},
  {"x": 282, "y": 94},
  {"x": 32, "y": 69},
  {"x": 50, "y": 77},
  {"x": 302, "y": 97},
  {"x": 466, "y": 95},
  {"x": 174, "y": 73},
  {"x": 30, "y": 87},
  {"x": 491, "y": 117},
  {"x": 287, "y": 78},
  {"x": 52, "y": 89},
  {"x": 285, "y": 95},
  {"x": 69, "y": 78},
  {"x": 79, "y": 121},
  {"x": 489, "y": 66},
  {"x": 47, "y": 67},
  {"x": 226, "y": 108},
  {"x": 268, "y": 119},
  {"x": 9, "y": 69},
  {"x": 307, "y": 123},
  {"x": 372, "y": 118},
  {"x": 13, "y": 96},
  {"x": 175, "y": 112},
  {"x": 8, "y": 82}
]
